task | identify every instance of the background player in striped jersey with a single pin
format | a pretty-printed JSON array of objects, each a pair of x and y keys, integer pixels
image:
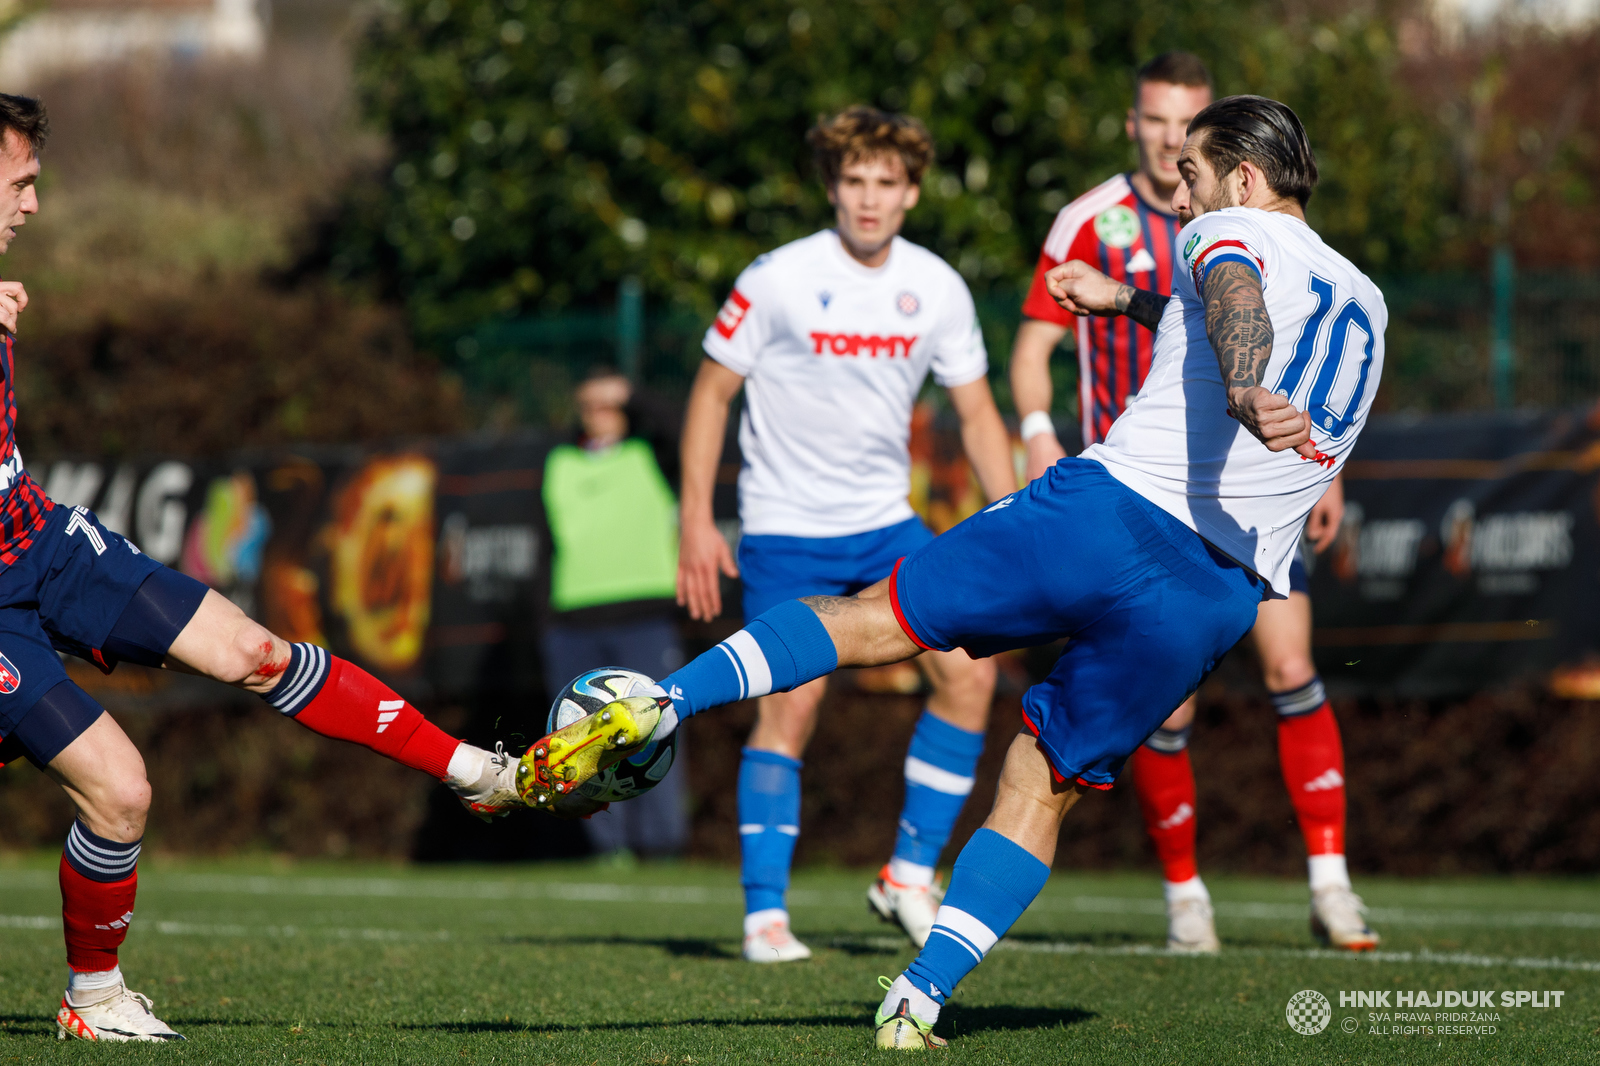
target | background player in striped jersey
[
  {"x": 1115, "y": 229},
  {"x": 69, "y": 584},
  {"x": 831, "y": 337}
]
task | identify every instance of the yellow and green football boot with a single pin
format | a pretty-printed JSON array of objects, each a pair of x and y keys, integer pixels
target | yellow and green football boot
[
  {"x": 904, "y": 1031},
  {"x": 556, "y": 765}
]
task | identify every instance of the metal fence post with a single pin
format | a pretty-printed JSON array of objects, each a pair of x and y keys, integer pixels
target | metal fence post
[
  {"x": 630, "y": 325},
  {"x": 1502, "y": 354}
]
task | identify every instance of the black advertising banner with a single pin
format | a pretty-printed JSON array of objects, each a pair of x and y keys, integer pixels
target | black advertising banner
[
  {"x": 1469, "y": 557},
  {"x": 1469, "y": 554},
  {"x": 425, "y": 564}
]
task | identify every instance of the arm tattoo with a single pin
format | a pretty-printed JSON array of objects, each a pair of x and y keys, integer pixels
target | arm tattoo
[
  {"x": 828, "y": 604},
  {"x": 1237, "y": 324},
  {"x": 1141, "y": 305}
]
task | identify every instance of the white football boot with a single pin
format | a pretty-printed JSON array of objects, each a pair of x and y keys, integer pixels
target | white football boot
[
  {"x": 1337, "y": 920},
  {"x": 771, "y": 941},
  {"x": 1192, "y": 927},
  {"x": 494, "y": 793},
  {"x": 120, "y": 1017},
  {"x": 911, "y": 907}
]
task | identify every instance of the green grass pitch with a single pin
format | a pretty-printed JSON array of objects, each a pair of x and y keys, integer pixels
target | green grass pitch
[{"x": 577, "y": 964}]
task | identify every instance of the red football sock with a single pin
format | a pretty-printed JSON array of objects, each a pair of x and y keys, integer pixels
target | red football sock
[
  {"x": 355, "y": 706},
  {"x": 1165, "y": 786},
  {"x": 1312, "y": 758},
  {"x": 95, "y": 917}
]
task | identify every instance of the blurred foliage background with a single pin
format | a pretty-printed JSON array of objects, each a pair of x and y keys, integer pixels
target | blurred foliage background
[{"x": 539, "y": 151}]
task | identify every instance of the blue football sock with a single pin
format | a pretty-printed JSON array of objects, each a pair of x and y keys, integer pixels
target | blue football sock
[
  {"x": 769, "y": 822},
  {"x": 939, "y": 771},
  {"x": 785, "y": 647},
  {"x": 993, "y": 883}
]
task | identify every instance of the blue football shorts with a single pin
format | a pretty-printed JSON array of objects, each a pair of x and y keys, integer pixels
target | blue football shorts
[
  {"x": 774, "y": 568},
  {"x": 1149, "y": 606},
  {"x": 1299, "y": 580},
  {"x": 81, "y": 589}
]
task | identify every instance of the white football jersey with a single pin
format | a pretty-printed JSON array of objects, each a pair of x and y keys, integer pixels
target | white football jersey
[
  {"x": 833, "y": 355},
  {"x": 1177, "y": 446}
]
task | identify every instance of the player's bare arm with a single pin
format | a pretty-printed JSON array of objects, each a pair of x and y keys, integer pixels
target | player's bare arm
[
  {"x": 1083, "y": 290},
  {"x": 1033, "y": 393},
  {"x": 984, "y": 438},
  {"x": 703, "y": 554},
  {"x": 1240, "y": 332}
]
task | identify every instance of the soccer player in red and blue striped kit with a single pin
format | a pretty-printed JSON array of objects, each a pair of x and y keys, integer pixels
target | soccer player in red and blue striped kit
[
  {"x": 1125, "y": 230},
  {"x": 69, "y": 584}
]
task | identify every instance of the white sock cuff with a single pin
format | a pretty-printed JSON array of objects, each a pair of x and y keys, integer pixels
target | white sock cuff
[
  {"x": 757, "y": 920},
  {"x": 922, "y": 1004},
  {"x": 93, "y": 980},
  {"x": 1328, "y": 871},
  {"x": 467, "y": 764},
  {"x": 910, "y": 873},
  {"x": 1194, "y": 888}
]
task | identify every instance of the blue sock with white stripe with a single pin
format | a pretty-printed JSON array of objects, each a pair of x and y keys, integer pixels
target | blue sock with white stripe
[
  {"x": 939, "y": 770},
  {"x": 785, "y": 647},
  {"x": 302, "y": 679},
  {"x": 769, "y": 822},
  {"x": 993, "y": 883}
]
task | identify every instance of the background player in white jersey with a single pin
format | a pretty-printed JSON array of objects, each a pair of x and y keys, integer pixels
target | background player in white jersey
[
  {"x": 1151, "y": 551},
  {"x": 831, "y": 338},
  {"x": 1097, "y": 230}
]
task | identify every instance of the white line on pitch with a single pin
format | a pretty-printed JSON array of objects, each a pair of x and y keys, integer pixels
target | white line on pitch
[
  {"x": 1430, "y": 958},
  {"x": 690, "y": 895},
  {"x": 51, "y": 922}
]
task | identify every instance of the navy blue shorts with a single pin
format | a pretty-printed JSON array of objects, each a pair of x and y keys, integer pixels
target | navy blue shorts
[
  {"x": 1149, "y": 606},
  {"x": 773, "y": 569},
  {"x": 1299, "y": 580},
  {"x": 85, "y": 590}
]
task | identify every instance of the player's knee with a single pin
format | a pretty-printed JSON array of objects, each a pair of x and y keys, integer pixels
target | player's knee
[
  {"x": 968, "y": 686},
  {"x": 255, "y": 657},
  {"x": 1288, "y": 673},
  {"x": 118, "y": 807}
]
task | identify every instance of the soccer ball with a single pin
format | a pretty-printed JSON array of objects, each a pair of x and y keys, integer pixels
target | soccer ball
[{"x": 639, "y": 772}]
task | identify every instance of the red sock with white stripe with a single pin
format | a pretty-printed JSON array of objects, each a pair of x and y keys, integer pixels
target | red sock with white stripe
[
  {"x": 99, "y": 881},
  {"x": 338, "y": 699},
  {"x": 1312, "y": 758},
  {"x": 1163, "y": 779}
]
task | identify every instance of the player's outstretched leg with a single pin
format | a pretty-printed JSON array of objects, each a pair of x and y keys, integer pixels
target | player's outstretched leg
[
  {"x": 1311, "y": 756},
  {"x": 1000, "y": 871},
  {"x": 1164, "y": 782},
  {"x": 939, "y": 770},
  {"x": 331, "y": 696},
  {"x": 104, "y": 775}
]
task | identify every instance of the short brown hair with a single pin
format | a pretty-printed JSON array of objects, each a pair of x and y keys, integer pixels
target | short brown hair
[
  {"x": 27, "y": 116},
  {"x": 1172, "y": 68},
  {"x": 860, "y": 132}
]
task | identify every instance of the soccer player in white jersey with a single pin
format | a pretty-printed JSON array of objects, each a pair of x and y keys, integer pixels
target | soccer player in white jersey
[
  {"x": 1117, "y": 228},
  {"x": 831, "y": 337},
  {"x": 1151, "y": 550}
]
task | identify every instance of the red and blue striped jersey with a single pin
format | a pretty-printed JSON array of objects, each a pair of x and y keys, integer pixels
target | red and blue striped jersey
[
  {"x": 23, "y": 504},
  {"x": 1111, "y": 228}
]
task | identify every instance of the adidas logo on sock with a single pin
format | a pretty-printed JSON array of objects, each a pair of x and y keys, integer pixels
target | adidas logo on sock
[
  {"x": 120, "y": 923},
  {"x": 1179, "y": 816},
  {"x": 1326, "y": 781},
  {"x": 388, "y": 711}
]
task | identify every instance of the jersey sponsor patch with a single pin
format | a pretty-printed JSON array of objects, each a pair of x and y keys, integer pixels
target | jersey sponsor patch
[
  {"x": 1117, "y": 227},
  {"x": 732, "y": 314},
  {"x": 10, "y": 676},
  {"x": 872, "y": 345}
]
